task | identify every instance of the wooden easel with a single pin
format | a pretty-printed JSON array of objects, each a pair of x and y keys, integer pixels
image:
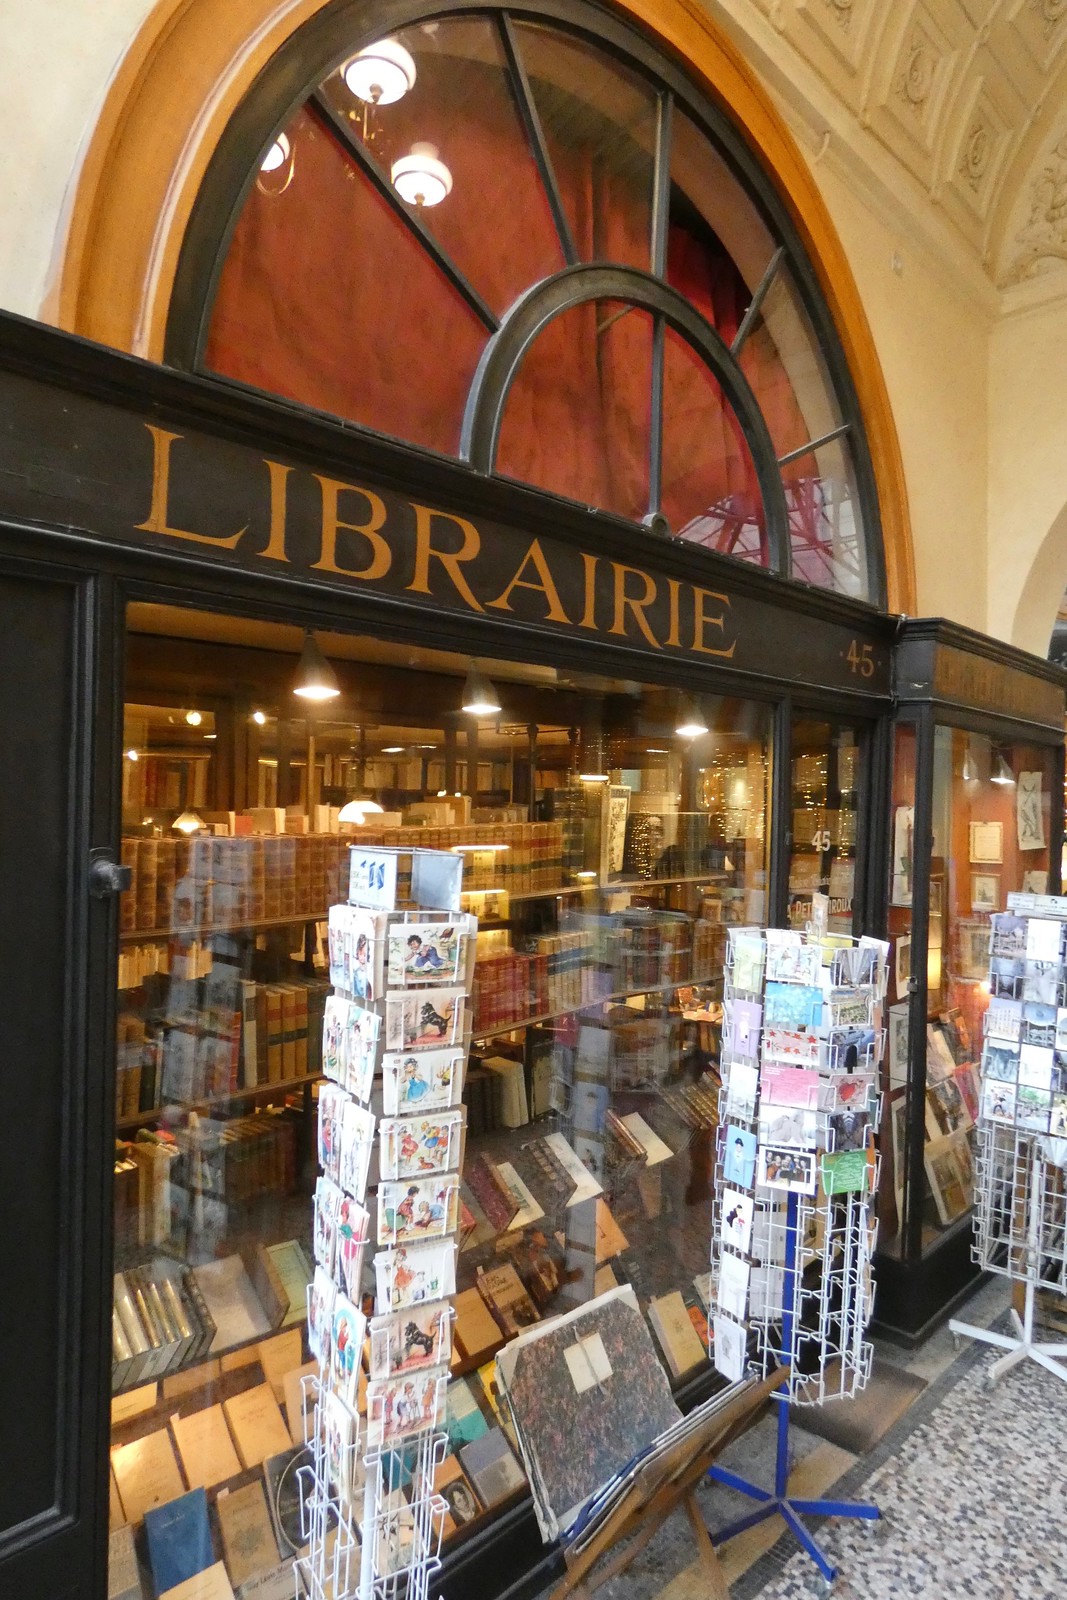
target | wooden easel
[{"x": 656, "y": 1491}]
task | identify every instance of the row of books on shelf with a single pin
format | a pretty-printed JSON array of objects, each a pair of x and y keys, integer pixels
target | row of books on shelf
[
  {"x": 520, "y": 858},
  {"x": 242, "y": 1036},
  {"x": 167, "y": 1316},
  {"x": 204, "y": 883},
  {"x": 173, "y": 1185}
]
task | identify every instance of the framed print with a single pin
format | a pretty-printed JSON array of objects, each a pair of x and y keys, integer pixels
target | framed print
[
  {"x": 902, "y": 964},
  {"x": 987, "y": 842},
  {"x": 897, "y": 1041},
  {"x": 974, "y": 949},
  {"x": 1029, "y": 819},
  {"x": 903, "y": 855},
  {"x": 985, "y": 891}
]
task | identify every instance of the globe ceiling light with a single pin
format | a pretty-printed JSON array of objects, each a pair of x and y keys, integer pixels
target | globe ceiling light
[
  {"x": 277, "y": 155},
  {"x": 380, "y": 73},
  {"x": 421, "y": 179}
]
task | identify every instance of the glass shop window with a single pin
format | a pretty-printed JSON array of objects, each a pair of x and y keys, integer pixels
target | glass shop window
[
  {"x": 610, "y": 833},
  {"x": 825, "y": 804}
]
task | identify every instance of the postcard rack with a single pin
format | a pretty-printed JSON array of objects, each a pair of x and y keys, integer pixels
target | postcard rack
[
  {"x": 796, "y": 1176},
  {"x": 1020, "y": 1218},
  {"x": 395, "y": 1036}
]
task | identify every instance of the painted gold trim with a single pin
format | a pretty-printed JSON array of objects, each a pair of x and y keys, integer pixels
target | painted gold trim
[{"x": 187, "y": 71}]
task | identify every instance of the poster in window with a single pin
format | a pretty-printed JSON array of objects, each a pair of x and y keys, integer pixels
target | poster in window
[
  {"x": 1029, "y": 821},
  {"x": 903, "y": 854}
]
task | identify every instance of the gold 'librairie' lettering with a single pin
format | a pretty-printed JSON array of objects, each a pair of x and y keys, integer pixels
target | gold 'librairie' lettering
[
  {"x": 451, "y": 560},
  {"x": 333, "y": 523},
  {"x": 702, "y": 621},
  {"x": 157, "y": 520},
  {"x": 636, "y": 606},
  {"x": 547, "y": 586}
]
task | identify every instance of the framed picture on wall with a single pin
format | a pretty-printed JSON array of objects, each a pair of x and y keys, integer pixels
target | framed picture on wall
[
  {"x": 974, "y": 948},
  {"x": 987, "y": 842},
  {"x": 902, "y": 964},
  {"x": 985, "y": 891},
  {"x": 903, "y": 855},
  {"x": 1029, "y": 818}
]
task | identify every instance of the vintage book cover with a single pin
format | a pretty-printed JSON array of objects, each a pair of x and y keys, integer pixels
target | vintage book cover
[
  {"x": 678, "y": 1339},
  {"x": 205, "y": 1447},
  {"x": 179, "y": 1540},
  {"x": 507, "y": 1299},
  {"x": 212, "y": 1584},
  {"x": 257, "y": 1425},
  {"x": 491, "y": 1466},
  {"x": 248, "y": 1541},
  {"x": 455, "y": 1489},
  {"x": 147, "y": 1474},
  {"x": 476, "y": 1331},
  {"x": 232, "y": 1303},
  {"x": 278, "y": 1356},
  {"x": 294, "y": 1270}
]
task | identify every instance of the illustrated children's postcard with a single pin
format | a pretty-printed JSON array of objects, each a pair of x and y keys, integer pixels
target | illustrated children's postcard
[
  {"x": 357, "y": 1145},
  {"x": 743, "y": 1020},
  {"x": 428, "y": 1080},
  {"x": 327, "y": 1206},
  {"x": 789, "y": 960},
  {"x": 425, "y": 1019},
  {"x": 362, "y": 1033},
  {"x": 746, "y": 959},
  {"x": 406, "y": 1341},
  {"x": 353, "y": 1232},
  {"x": 397, "y": 1407},
  {"x": 320, "y": 1314},
  {"x": 414, "y": 1147},
  {"x": 332, "y": 1103},
  {"x": 428, "y": 952},
  {"x": 412, "y": 1274},
  {"x": 348, "y": 1327},
  {"x": 422, "y": 1208},
  {"x": 357, "y": 951}
]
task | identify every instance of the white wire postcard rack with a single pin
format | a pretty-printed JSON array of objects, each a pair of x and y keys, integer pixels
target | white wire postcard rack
[
  {"x": 1021, "y": 1152},
  {"x": 399, "y": 1015}
]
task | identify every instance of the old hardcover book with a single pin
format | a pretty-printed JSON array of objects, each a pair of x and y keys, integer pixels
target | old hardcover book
[
  {"x": 505, "y": 1294},
  {"x": 278, "y": 1357},
  {"x": 212, "y": 1584},
  {"x": 475, "y": 1331},
  {"x": 147, "y": 1474},
  {"x": 455, "y": 1489},
  {"x": 267, "y": 1282},
  {"x": 490, "y": 1464},
  {"x": 231, "y": 1302},
  {"x": 678, "y": 1338},
  {"x": 179, "y": 1540},
  {"x": 248, "y": 1541},
  {"x": 257, "y": 1425},
  {"x": 295, "y": 1273},
  {"x": 205, "y": 1447}
]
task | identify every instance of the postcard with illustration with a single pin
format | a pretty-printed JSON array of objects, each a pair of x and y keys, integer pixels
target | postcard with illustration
[
  {"x": 1033, "y": 1107},
  {"x": 743, "y": 1021},
  {"x": 998, "y": 1101},
  {"x": 353, "y": 1233},
  {"x": 1035, "y": 1067},
  {"x": 787, "y": 1168},
  {"x": 413, "y": 1274},
  {"x": 362, "y": 1033},
  {"x": 332, "y": 1103},
  {"x": 848, "y": 1091},
  {"x": 348, "y": 1327},
  {"x": 357, "y": 1146},
  {"x": 398, "y": 1407},
  {"x": 421, "y": 1208},
  {"x": 732, "y": 1288},
  {"x": 792, "y": 1005},
  {"x": 416, "y": 1147},
  {"x": 746, "y": 959},
  {"x": 799, "y": 1046},
  {"x": 729, "y": 1349},
  {"x": 1008, "y": 934},
  {"x": 790, "y": 961},
  {"x": 427, "y": 952},
  {"x": 1004, "y": 1019},
  {"x": 736, "y": 1229},
  {"x": 425, "y": 1019},
  {"x": 849, "y": 1048},
  {"x": 1039, "y": 1024},
  {"x": 423, "y": 1081},
  {"x": 781, "y": 1125},
  {"x": 789, "y": 1086},
  {"x": 407, "y": 1341},
  {"x": 335, "y": 1016},
  {"x": 357, "y": 951},
  {"x": 739, "y": 1157},
  {"x": 321, "y": 1297},
  {"x": 326, "y": 1209},
  {"x": 1006, "y": 977},
  {"x": 340, "y": 1436}
]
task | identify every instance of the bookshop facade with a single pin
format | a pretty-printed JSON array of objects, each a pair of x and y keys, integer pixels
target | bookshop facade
[{"x": 514, "y": 486}]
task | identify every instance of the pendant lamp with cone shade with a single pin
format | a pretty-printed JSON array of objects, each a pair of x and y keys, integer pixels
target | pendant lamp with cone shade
[{"x": 315, "y": 678}]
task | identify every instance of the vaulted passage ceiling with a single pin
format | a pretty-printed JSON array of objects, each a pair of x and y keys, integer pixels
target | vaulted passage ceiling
[{"x": 968, "y": 96}]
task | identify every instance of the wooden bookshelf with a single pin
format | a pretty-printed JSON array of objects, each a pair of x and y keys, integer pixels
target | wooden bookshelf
[{"x": 262, "y": 1094}]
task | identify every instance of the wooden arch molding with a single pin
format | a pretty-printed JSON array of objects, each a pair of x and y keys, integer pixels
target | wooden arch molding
[{"x": 188, "y": 70}]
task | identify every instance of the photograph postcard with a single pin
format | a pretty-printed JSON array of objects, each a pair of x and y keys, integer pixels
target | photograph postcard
[
  {"x": 781, "y": 1125},
  {"x": 398, "y": 1407},
  {"x": 1033, "y": 1108},
  {"x": 408, "y": 1341},
  {"x": 1008, "y": 935},
  {"x": 416, "y": 1147},
  {"x": 739, "y": 1158},
  {"x": 1035, "y": 1067},
  {"x": 787, "y": 1168},
  {"x": 423, "y": 1208},
  {"x": 1061, "y": 1028},
  {"x": 1039, "y": 1024},
  {"x": 1044, "y": 939},
  {"x": 792, "y": 1005},
  {"x": 1004, "y": 1019},
  {"x": 1057, "y": 1125},
  {"x": 424, "y": 1019},
  {"x": 428, "y": 1080},
  {"x": 848, "y": 1129},
  {"x": 789, "y": 1086},
  {"x": 998, "y": 1101},
  {"x": 1000, "y": 1061},
  {"x": 736, "y": 1226}
]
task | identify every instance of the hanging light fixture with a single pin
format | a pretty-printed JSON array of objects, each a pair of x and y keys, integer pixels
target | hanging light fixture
[
  {"x": 380, "y": 73},
  {"x": 968, "y": 771},
  {"x": 188, "y": 822},
  {"x": 1002, "y": 773},
  {"x": 421, "y": 178},
  {"x": 480, "y": 699},
  {"x": 315, "y": 678},
  {"x": 277, "y": 154},
  {"x": 277, "y": 166},
  {"x": 691, "y": 721}
]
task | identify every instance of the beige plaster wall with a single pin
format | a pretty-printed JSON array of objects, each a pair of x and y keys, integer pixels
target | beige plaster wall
[
  {"x": 1028, "y": 475},
  {"x": 933, "y": 344},
  {"x": 56, "y": 61}
]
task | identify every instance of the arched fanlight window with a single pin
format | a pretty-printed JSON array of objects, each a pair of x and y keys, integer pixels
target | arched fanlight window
[{"x": 532, "y": 245}]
